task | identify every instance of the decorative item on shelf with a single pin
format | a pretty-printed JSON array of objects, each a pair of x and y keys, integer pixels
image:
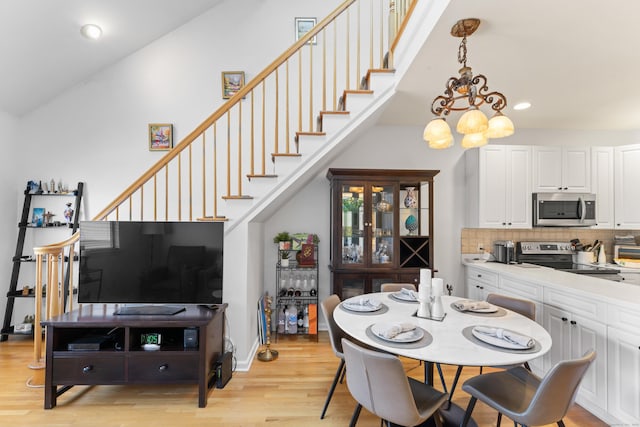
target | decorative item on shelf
[
  {"x": 352, "y": 204},
  {"x": 298, "y": 239},
  {"x": 68, "y": 213},
  {"x": 383, "y": 205},
  {"x": 37, "y": 219},
  {"x": 410, "y": 200},
  {"x": 475, "y": 126},
  {"x": 306, "y": 255},
  {"x": 48, "y": 218},
  {"x": 283, "y": 239},
  {"x": 411, "y": 224},
  {"x": 284, "y": 258}
]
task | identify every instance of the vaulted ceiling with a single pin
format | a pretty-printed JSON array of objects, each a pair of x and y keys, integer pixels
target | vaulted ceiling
[{"x": 574, "y": 60}]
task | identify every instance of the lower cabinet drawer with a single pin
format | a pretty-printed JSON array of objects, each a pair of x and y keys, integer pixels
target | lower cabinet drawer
[
  {"x": 163, "y": 367},
  {"x": 88, "y": 370}
]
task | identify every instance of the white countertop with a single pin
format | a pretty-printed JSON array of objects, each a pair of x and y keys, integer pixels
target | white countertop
[{"x": 620, "y": 293}]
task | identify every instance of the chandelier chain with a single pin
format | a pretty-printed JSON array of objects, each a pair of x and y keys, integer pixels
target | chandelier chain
[{"x": 462, "y": 51}]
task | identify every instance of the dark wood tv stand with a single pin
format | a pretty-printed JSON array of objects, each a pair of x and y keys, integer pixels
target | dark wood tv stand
[{"x": 122, "y": 359}]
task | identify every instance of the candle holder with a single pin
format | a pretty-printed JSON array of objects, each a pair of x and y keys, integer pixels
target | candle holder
[{"x": 268, "y": 355}]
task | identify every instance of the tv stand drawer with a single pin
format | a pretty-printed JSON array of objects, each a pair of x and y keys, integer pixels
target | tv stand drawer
[
  {"x": 90, "y": 369},
  {"x": 163, "y": 367}
]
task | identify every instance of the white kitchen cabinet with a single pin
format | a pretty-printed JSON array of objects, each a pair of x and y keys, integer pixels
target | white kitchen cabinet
[
  {"x": 480, "y": 283},
  {"x": 499, "y": 183},
  {"x": 627, "y": 190},
  {"x": 602, "y": 184},
  {"x": 566, "y": 169},
  {"x": 570, "y": 321},
  {"x": 623, "y": 364}
]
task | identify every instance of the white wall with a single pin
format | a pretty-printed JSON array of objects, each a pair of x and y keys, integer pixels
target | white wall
[
  {"x": 97, "y": 131},
  {"x": 382, "y": 147},
  {"x": 9, "y": 167}
]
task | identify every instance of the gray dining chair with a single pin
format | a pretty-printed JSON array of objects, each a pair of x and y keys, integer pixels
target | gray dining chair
[
  {"x": 524, "y": 307},
  {"x": 335, "y": 336},
  {"x": 378, "y": 382},
  {"x": 524, "y": 397},
  {"x": 395, "y": 287}
]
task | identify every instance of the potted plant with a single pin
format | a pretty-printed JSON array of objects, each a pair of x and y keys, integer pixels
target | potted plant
[
  {"x": 283, "y": 239},
  {"x": 284, "y": 258}
]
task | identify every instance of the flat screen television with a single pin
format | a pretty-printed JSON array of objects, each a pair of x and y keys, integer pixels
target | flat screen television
[{"x": 148, "y": 265}]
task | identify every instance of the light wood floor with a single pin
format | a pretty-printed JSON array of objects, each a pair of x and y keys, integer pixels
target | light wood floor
[{"x": 287, "y": 392}]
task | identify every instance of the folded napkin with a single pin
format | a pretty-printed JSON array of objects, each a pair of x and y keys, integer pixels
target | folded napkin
[
  {"x": 506, "y": 335},
  {"x": 463, "y": 305},
  {"x": 409, "y": 294},
  {"x": 392, "y": 330},
  {"x": 361, "y": 303}
]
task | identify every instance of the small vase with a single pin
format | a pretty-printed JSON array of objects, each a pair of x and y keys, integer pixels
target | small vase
[
  {"x": 411, "y": 224},
  {"x": 410, "y": 199}
]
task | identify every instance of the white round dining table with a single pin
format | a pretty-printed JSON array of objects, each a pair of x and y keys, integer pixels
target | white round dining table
[
  {"x": 448, "y": 341},
  {"x": 449, "y": 345}
]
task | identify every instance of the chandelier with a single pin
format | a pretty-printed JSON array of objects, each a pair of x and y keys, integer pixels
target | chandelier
[{"x": 475, "y": 126}]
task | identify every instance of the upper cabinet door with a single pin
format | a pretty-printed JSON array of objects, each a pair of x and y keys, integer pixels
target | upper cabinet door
[
  {"x": 602, "y": 185},
  {"x": 504, "y": 182},
  {"x": 627, "y": 190},
  {"x": 561, "y": 169}
]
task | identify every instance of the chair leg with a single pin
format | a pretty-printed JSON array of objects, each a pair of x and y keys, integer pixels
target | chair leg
[
  {"x": 333, "y": 387},
  {"x": 356, "y": 414},
  {"x": 560, "y": 423},
  {"x": 527, "y": 367},
  {"x": 499, "y": 419},
  {"x": 467, "y": 414}
]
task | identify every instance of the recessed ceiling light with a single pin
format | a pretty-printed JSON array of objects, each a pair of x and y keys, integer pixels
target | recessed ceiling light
[
  {"x": 522, "y": 106},
  {"x": 91, "y": 31}
]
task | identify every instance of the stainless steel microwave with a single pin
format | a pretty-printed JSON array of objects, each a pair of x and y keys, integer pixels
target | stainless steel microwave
[{"x": 564, "y": 209}]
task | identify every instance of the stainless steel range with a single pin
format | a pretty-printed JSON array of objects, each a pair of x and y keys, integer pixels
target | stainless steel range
[{"x": 559, "y": 256}]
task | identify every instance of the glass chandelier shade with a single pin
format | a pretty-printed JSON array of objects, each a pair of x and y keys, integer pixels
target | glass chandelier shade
[
  {"x": 473, "y": 92},
  {"x": 473, "y": 140},
  {"x": 473, "y": 121},
  {"x": 499, "y": 126}
]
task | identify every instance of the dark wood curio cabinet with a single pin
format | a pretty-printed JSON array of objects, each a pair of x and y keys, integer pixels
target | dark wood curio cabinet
[{"x": 382, "y": 227}]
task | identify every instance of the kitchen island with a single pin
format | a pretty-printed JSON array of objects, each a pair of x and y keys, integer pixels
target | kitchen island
[{"x": 580, "y": 312}]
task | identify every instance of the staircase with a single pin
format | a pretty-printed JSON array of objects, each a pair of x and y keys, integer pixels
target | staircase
[{"x": 279, "y": 130}]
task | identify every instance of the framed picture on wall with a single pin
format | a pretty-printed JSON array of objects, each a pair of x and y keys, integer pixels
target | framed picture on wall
[
  {"x": 232, "y": 82},
  {"x": 160, "y": 136},
  {"x": 303, "y": 26}
]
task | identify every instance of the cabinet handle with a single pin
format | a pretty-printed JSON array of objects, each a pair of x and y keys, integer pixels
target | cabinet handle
[
  {"x": 559, "y": 188},
  {"x": 87, "y": 369},
  {"x": 504, "y": 223},
  {"x": 479, "y": 275},
  {"x": 163, "y": 367},
  {"x": 564, "y": 319},
  {"x": 509, "y": 223},
  {"x": 573, "y": 322},
  {"x": 565, "y": 188}
]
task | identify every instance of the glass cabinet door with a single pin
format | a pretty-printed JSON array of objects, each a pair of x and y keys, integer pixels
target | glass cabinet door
[
  {"x": 383, "y": 209},
  {"x": 353, "y": 224}
]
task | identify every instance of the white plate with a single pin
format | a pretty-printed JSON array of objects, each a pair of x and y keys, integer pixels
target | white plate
[
  {"x": 151, "y": 347},
  {"x": 404, "y": 297},
  {"x": 497, "y": 341},
  {"x": 356, "y": 306},
  {"x": 405, "y": 337},
  {"x": 491, "y": 309}
]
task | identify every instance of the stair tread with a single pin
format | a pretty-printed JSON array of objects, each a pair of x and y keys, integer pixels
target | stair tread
[
  {"x": 237, "y": 197},
  {"x": 261, "y": 176},
  {"x": 285, "y": 154}
]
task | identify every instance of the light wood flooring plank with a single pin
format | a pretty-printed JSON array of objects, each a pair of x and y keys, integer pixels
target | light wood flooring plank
[{"x": 287, "y": 392}]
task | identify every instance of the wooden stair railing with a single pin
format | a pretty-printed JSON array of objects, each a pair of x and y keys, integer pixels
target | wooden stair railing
[
  {"x": 262, "y": 120},
  {"x": 188, "y": 170}
]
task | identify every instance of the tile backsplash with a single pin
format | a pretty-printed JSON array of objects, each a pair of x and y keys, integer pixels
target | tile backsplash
[{"x": 472, "y": 238}]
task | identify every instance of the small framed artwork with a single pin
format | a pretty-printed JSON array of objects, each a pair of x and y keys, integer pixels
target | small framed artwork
[
  {"x": 160, "y": 136},
  {"x": 232, "y": 82},
  {"x": 303, "y": 26},
  {"x": 37, "y": 218}
]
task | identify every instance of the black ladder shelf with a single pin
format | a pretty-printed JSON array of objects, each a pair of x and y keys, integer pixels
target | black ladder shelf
[{"x": 18, "y": 258}]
